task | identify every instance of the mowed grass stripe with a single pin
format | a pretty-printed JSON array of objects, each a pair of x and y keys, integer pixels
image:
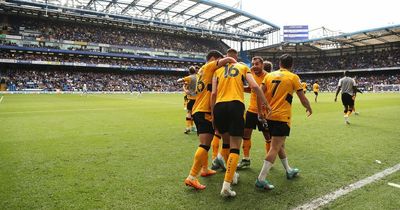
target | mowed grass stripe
[{"x": 137, "y": 156}]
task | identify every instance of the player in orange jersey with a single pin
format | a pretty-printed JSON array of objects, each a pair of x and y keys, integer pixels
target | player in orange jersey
[
  {"x": 203, "y": 118},
  {"x": 279, "y": 87}
]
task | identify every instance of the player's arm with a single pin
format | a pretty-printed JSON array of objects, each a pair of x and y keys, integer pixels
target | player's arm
[
  {"x": 338, "y": 89},
  {"x": 247, "y": 88},
  {"x": 337, "y": 92},
  {"x": 304, "y": 101},
  {"x": 185, "y": 89},
  {"x": 355, "y": 89},
  {"x": 213, "y": 97},
  {"x": 223, "y": 61},
  {"x": 261, "y": 100},
  {"x": 263, "y": 88},
  {"x": 180, "y": 80}
]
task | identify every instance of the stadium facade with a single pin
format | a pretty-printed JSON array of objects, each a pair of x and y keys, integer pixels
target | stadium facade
[{"x": 165, "y": 37}]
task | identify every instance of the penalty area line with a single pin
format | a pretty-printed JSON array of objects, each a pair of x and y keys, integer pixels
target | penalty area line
[{"x": 321, "y": 201}]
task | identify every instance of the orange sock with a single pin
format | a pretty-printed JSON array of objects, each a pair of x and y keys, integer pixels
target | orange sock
[
  {"x": 199, "y": 157},
  {"x": 231, "y": 166},
  {"x": 215, "y": 146},
  {"x": 204, "y": 164},
  {"x": 246, "y": 147},
  {"x": 225, "y": 151}
]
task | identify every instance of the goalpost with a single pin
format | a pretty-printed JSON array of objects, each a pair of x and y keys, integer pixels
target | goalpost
[{"x": 386, "y": 88}]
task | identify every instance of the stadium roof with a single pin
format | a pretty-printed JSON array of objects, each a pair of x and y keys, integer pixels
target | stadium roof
[
  {"x": 209, "y": 16},
  {"x": 383, "y": 35}
]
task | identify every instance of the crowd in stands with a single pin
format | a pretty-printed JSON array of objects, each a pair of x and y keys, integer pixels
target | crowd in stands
[
  {"x": 51, "y": 80},
  {"x": 95, "y": 81},
  {"x": 90, "y": 60},
  {"x": 89, "y": 32},
  {"x": 363, "y": 60}
]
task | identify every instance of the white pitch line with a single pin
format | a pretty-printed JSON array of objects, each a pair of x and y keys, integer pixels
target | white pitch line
[
  {"x": 1, "y": 99},
  {"x": 394, "y": 185},
  {"x": 317, "y": 203}
]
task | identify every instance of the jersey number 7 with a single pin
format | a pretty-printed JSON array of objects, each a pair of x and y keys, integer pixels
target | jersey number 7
[{"x": 276, "y": 84}]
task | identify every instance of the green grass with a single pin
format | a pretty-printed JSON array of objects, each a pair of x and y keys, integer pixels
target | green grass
[{"x": 124, "y": 152}]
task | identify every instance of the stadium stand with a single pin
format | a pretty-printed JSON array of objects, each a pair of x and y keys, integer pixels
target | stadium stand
[
  {"x": 51, "y": 80},
  {"x": 43, "y": 48},
  {"x": 45, "y": 29}
]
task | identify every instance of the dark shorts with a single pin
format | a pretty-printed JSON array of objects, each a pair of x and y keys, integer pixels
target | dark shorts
[
  {"x": 203, "y": 122},
  {"x": 253, "y": 122},
  {"x": 316, "y": 93},
  {"x": 228, "y": 117},
  {"x": 189, "y": 105},
  {"x": 347, "y": 99},
  {"x": 278, "y": 128}
]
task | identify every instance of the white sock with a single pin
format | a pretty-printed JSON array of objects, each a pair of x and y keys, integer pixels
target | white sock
[
  {"x": 264, "y": 170},
  {"x": 286, "y": 164},
  {"x": 226, "y": 185},
  {"x": 191, "y": 177}
]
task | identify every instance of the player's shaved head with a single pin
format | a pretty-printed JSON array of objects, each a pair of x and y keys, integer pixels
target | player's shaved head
[{"x": 232, "y": 53}]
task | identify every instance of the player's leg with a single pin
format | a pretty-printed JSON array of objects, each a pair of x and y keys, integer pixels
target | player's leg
[
  {"x": 246, "y": 145},
  {"x": 346, "y": 107},
  {"x": 220, "y": 160},
  {"x": 231, "y": 176},
  {"x": 189, "y": 108},
  {"x": 188, "y": 122},
  {"x": 267, "y": 136},
  {"x": 215, "y": 145},
  {"x": 235, "y": 124},
  {"x": 276, "y": 144},
  {"x": 350, "y": 102},
  {"x": 278, "y": 131},
  {"x": 290, "y": 172},
  {"x": 250, "y": 124},
  {"x": 201, "y": 155}
]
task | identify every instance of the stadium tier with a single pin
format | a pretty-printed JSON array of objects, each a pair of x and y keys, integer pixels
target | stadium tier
[
  {"x": 52, "y": 31},
  {"x": 69, "y": 46},
  {"x": 362, "y": 60},
  {"x": 51, "y": 80}
]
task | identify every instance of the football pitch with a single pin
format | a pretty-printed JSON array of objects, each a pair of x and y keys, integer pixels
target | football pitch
[{"x": 129, "y": 152}]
